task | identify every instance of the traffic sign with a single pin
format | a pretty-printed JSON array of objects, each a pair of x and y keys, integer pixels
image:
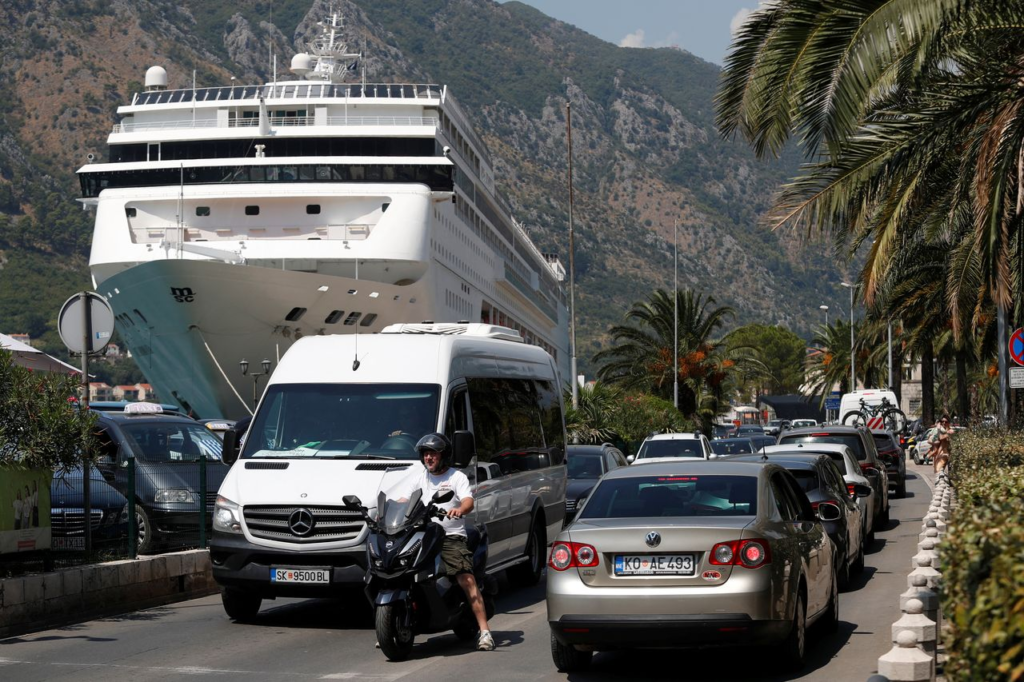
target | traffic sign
[
  {"x": 832, "y": 403},
  {"x": 73, "y": 326},
  {"x": 1017, "y": 346},
  {"x": 1017, "y": 377}
]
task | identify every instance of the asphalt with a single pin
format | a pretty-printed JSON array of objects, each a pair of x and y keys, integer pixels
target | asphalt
[{"x": 334, "y": 639}]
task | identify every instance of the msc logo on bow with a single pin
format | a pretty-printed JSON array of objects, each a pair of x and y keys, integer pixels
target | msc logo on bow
[{"x": 183, "y": 295}]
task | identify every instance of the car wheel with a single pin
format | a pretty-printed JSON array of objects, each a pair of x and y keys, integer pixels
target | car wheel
[
  {"x": 901, "y": 487},
  {"x": 858, "y": 563},
  {"x": 568, "y": 658},
  {"x": 884, "y": 521},
  {"x": 529, "y": 572},
  {"x": 795, "y": 644},
  {"x": 843, "y": 570},
  {"x": 144, "y": 528},
  {"x": 830, "y": 621},
  {"x": 240, "y": 605}
]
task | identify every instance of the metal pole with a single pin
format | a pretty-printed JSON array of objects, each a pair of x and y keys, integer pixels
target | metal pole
[
  {"x": 572, "y": 267},
  {"x": 86, "y": 469},
  {"x": 675, "y": 324},
  {"x": 853, "y": 355},
  {"x": 1004, "y": 366},
  {"x": 202, "y": 501},
  {"x": 891, "y": 383},
  {"x": 133, "y": 527}
]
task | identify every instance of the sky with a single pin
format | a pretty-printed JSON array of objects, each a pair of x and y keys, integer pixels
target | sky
[{"x": 701, "y": 27}]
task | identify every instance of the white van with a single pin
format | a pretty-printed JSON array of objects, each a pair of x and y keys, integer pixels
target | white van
[
  {"x": 341, "y": 416},
  {"x": 872, "y": 397}
]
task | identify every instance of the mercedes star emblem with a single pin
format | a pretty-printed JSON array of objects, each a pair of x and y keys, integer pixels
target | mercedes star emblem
[
  {"x": 653, "y": 538},
  {"x": 301, "y": 522}
]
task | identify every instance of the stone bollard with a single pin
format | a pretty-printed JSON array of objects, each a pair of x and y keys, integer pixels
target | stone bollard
[
  {"x": 924, "y": 568},
  {"x": 878, "y": 678},
  {"x": 915, "y": 621},
  {"x": 919, "y": 590},
  {"x": 930, "y": 531},
  {"x": 905, "y": 662},
  {"x": 940, "y": 525},
  {"x": 927, "y": 549}
]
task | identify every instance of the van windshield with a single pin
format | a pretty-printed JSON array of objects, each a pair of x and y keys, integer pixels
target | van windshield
[{"x": 352, "y": 421}]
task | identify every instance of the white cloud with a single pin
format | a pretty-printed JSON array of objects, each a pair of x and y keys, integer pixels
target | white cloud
[
  {"x": 671, "y": 40},
  {"x": 634, "y": 39},
  {"x": 741, "y": 17}
]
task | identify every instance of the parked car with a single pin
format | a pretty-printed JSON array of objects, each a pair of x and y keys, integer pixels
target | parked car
[
  {"x": 745, "y": 430},
  {"x": 691, "y": 553},
  {"x": 826, "y": 490},
  {"x": 166, "y": 449},
  {"x": 670, "y": 446},
  {"x": 862, "y": 444},
  {"x": 733, "y": 446},
  {"x": 585, "y": 465},
  {"x": 844, "y": 459},
  {"x": 218, "y": 426},
  {"x": 892, "y": 455},
  {"x": 138, "y": 406},
  {"x": 803, "y": 423},
  {"x": 762, "y": 441},
  {"x": 775, "y": 426},
  {"x": 721, "y": 430},
  {"x": 108, "y": 517}
]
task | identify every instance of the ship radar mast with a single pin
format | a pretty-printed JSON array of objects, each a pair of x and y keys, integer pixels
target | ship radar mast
[{"x": 328, "y": 58}]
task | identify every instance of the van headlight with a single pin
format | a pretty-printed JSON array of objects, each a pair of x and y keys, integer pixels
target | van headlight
[
  {"x": 227, "y": 516},
  {"x": 174, "y": 495}
]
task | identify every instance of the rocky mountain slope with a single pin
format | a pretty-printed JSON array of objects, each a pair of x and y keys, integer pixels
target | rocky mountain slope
[{"x": 646, "y": 153}]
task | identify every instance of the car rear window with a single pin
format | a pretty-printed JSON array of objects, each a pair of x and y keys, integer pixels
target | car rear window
[
  {"x": 670, "y": 448},
  {"x": 673, "y": 496},
  {"x": 732, "y": 446},
  {"x": 808, "y": 480},
  {"x": 883, "y": 442},
  {"x": 852, "y": 440}
]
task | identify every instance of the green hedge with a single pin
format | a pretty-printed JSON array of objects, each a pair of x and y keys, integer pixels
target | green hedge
[{"x": 983, "y": 559}]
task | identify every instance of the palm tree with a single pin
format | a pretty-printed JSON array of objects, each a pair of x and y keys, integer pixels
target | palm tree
[
  {"x": 642, "y": 355},
  {"x": 830, "y": 359},
  {"x": 591, "y": 421}
]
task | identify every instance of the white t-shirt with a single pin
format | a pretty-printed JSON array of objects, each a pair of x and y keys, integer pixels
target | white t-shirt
[
  {"x": 18, "y": 507},
  {"x": 452, "y": 479}
]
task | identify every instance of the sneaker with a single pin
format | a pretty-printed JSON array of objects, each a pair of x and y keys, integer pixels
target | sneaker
[{"x": 485, "y": 642}]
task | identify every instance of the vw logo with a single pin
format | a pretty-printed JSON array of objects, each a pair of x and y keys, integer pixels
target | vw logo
[
  {"x": 301, "y": 522},
  {"x": 653, "y": 538},
  {"x": 389, "y": 544}
]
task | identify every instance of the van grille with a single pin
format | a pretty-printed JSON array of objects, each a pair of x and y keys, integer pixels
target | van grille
[{"x": 330, "y": 524}]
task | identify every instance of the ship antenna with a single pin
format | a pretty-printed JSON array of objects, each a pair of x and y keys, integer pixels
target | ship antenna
[{"x": 355, "y": 362}]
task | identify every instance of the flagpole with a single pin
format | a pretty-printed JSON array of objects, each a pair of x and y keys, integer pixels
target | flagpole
[{"x": 572, "y": 267}]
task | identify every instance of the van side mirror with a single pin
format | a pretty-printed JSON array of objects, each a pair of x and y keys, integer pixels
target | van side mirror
[
  {"x": 464, "y": 445},
  {"x": 351, "y": 502},
  {"x": 229, "y": 453}
]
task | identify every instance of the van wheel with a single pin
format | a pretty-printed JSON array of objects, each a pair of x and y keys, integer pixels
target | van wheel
[
  {"x": 528, "y": 573},
  {"x": 568, "y": 658},
  {"x": 144, "y": 530},
  {"x": 240, "y": 605}
]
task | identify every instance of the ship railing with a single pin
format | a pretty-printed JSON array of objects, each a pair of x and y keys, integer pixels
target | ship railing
[
  {"x": 524, "y": 288},
  {"x": 286, "y": 91},
  {"x": 279, "y": 121}
]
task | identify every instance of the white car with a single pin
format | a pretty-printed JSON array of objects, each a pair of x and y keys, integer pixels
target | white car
[
  {"x": 803, "y": 423},
  {"x": 849, "y": 467},
  {"x": 666, "y": 447}
]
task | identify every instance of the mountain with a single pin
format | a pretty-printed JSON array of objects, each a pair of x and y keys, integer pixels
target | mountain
[{"x": 645, "y": 150}]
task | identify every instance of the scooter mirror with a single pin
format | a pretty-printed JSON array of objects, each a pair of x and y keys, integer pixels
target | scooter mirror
[
  {"x": 352, "y": 502},
  {"x": 441, "y": 498}
]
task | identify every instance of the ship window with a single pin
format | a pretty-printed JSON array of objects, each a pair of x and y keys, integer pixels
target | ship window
[
  {"x": 129, "y": 211},
  {"x": 312, "y": 209},
  {"x": 384, "y": 206},
  {"x": 203, "y": 211},
  {"x": 252, "y": 210},
  {"x": 352, "y": 319},
  {"x": 368, "y": 320},
  {"x": 140, "y": 316},
  {"x": 294, "y": 314},
  {"x": 334, "y": 317}
]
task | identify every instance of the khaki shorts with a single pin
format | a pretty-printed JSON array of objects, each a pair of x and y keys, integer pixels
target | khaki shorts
[{"x": 456, "y": 556}]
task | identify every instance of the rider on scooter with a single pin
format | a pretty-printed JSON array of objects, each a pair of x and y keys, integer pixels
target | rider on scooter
[{"x": 436, "y": 454}]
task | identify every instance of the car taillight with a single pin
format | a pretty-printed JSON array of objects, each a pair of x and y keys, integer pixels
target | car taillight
[
  {"x": 849, "y": 489},
  {"x": 565, "y": 555},
  {"x": 748, "y": 553},
  {"x": 864, "y": 466}
]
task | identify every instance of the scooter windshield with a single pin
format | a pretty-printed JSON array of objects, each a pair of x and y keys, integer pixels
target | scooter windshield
[{"x": 397, "y": 513}]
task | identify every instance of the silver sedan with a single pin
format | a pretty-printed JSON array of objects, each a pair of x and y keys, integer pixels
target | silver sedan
[{"x": 691, "y": 553}]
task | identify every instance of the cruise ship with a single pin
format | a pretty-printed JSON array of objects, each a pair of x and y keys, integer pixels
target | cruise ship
[{"x": 231, "y": 221}]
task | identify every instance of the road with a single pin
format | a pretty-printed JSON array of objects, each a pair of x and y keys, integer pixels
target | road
[{"x": 328, "y": 640}]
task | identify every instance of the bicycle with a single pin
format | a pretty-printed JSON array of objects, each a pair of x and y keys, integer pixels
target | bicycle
[{"x": 892, "y": 417}]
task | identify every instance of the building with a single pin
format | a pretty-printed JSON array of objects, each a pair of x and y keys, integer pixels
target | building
[{"x": 99, "y": 391}]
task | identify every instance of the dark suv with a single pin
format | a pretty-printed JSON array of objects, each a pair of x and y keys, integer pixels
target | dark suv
[
  {"x": 585, "y": 464},
  {"x": 166, "y": 449},
  {"x": 863, "y": 445},
  {"x": 891, "y": 453}
]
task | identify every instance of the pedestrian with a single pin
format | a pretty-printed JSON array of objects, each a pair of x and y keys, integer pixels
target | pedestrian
[
  {"x": 940, "y": 445},
  {"x": 18, "y": 507}
]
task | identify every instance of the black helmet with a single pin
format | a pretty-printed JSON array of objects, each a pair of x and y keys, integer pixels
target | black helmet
[{"x": 436, "y": 442}]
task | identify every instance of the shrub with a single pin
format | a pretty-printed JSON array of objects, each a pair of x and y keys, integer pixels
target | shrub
[{"x": 983, "y": 559}]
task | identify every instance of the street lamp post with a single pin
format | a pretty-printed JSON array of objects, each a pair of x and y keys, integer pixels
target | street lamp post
[
  {"x": 244, "y": 365},
  {"x": 675, "y": 315},
  {"x": 853, "y": 356},
  {"x": 825, "y": 308}
]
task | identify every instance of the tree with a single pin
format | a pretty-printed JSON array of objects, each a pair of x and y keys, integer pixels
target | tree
[
  {"x": 780, "y": 352},
  {"x": 830, "y": 359}
]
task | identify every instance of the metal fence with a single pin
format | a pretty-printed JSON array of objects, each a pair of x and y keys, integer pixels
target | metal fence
[{"x": 119, "y": 511}]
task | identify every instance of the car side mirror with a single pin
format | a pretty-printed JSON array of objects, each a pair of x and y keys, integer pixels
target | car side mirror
[
  {"x": 829, "y": 512},
  {"x": 630, "y": 459},
  {"x": 871, "y": 471},
  {"x": 861, "y": 490},
  {"x": 464, "y": 445},
  {"x": 438, "y": 498},
  {"x": 229, "y": 453},
  {"x": 352, "y": 502}
]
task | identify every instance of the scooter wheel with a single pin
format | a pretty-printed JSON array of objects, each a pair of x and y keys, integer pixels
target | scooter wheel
[{"x": 394, "y": 638}]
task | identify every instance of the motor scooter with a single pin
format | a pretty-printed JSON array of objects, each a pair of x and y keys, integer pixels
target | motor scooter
[{"x": 405, "y": 578}]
